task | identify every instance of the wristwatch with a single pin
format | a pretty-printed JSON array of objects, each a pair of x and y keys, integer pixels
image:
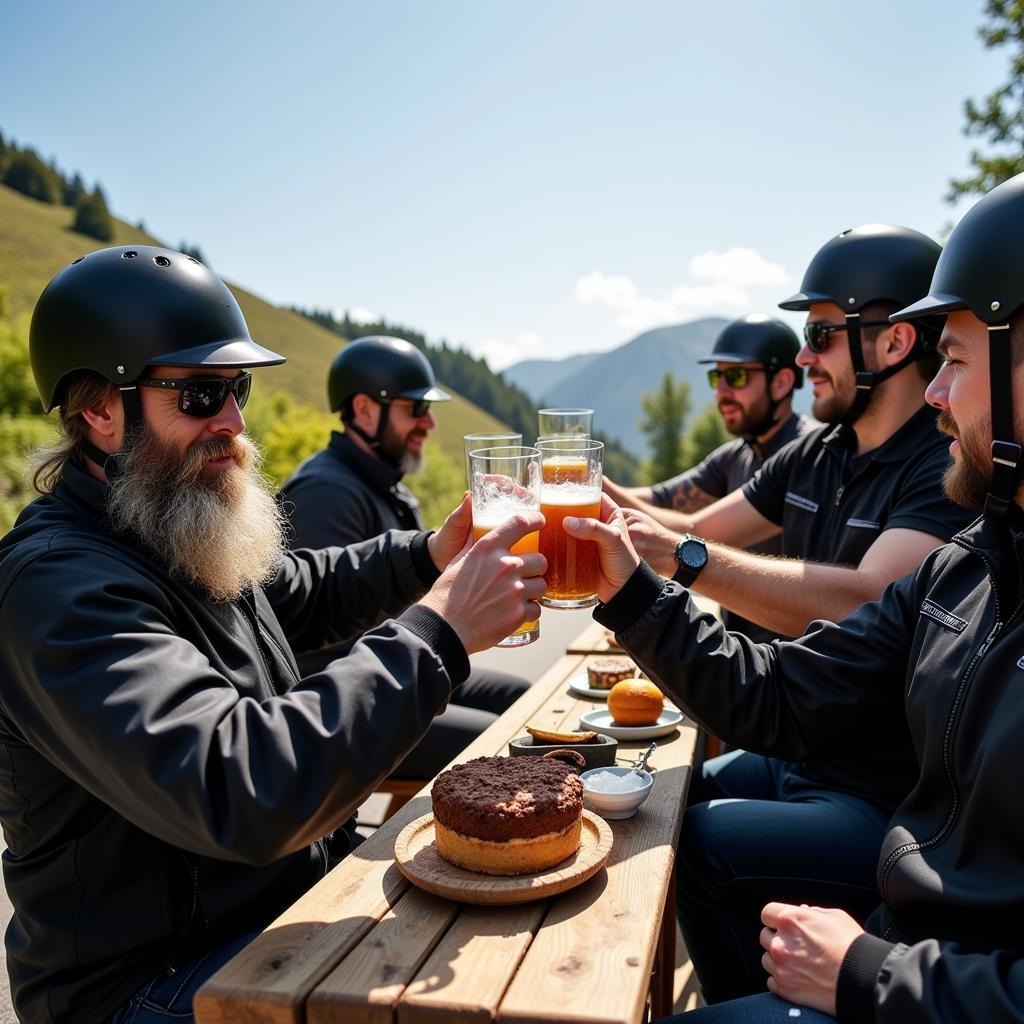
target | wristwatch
[{"x": 692, "y": 556}]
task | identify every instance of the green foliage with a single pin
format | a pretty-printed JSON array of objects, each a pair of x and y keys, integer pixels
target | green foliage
[
  {"x": 286, "y": 431},
  {"x": 706, "y": 433},
  {"x": 1000, "y": 116},
  {"x": 92, "y": 217},
  {"x": 28, "y": 174},
  {"x": 23, "y": 428},
  {"x": 17, "y": 389},
  {"x": 74, "y": 190},
  {"x": 665, "y": 410}
]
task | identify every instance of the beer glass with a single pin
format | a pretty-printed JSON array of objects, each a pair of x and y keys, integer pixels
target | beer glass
[
  {"x": 505, "y": 481},
  {"x": 474, "y": 442},
  {"x": 571, "y": 486},
  {"x": 564, "y": 423}
]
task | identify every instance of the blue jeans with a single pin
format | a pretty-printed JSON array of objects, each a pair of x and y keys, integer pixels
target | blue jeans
[
  {"x": 168, "y": 997},
  {"x": 763, "y": 1009},
  {"x": 751, "y": 837}
]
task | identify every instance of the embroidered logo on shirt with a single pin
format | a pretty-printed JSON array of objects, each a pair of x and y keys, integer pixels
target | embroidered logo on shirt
[
  {"x": 865, "y": 524},
  {"x": 1020, "y": 663},
  {"x": 801, "y": 502},
  {"x": 943, "y": 618}
]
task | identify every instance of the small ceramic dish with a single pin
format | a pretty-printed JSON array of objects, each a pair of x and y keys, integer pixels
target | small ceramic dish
[
  {"x": 612, "y": 804},
  {"x": 600, "y": 751}
]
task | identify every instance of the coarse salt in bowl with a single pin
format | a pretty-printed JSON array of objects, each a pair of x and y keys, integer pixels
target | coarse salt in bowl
[{"x": 615, "y": 792}]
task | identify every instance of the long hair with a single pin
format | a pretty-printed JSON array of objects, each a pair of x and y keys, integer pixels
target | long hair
[{"x": 47, "y": 462}]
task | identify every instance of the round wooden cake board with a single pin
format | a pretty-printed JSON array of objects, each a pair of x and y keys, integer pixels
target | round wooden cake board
[{"x": 417, "y": 858}]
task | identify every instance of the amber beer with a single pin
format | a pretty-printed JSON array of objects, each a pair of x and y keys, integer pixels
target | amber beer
[
  {"x": 572, "y": 564},
  {"x": 567, "y": 470},
  {"x": 528, "y": 631}
]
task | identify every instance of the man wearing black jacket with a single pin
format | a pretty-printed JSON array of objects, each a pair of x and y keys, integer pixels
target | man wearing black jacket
[
  {"x": 169, "y": 782},
  {"x": 858, "y": 503},
  {"x": 352, "y": 490},
  {"x": 939, "y": 654}
]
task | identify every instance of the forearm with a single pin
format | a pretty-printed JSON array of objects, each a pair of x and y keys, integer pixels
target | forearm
[{"x": 782, "y": 594}]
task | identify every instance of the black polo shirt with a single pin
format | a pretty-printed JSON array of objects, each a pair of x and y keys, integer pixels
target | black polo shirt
[
  {"x": 833, "y": 503},
  {"x": 723, "y": 471}
]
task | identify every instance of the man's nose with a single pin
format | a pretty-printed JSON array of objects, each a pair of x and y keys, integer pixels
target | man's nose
[
  {"x": 229, "y": 422},
  {"x": 937, "y": 392}
]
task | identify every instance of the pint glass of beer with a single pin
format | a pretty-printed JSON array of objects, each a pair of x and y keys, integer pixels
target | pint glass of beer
[
  {"x": 553, "y": 423},
  {"x": 505, "y": 481},
  {"x": 571, "y": 473},
  {"x": 475, "y": 442}
]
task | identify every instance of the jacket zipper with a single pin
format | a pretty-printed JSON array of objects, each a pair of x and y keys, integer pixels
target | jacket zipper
[{"x": 947, "y": 742}]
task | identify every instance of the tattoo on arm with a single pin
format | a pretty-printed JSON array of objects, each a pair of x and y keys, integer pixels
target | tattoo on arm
[{"x": 688, "y": 497}]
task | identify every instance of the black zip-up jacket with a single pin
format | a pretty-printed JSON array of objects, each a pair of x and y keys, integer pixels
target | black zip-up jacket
[
  {"x": 942, "y": 652},
  {"x": 166, "y": 779}
]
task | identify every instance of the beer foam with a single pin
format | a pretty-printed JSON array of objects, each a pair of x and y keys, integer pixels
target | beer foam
[
  {"x": 569, "y": 494},
  {"x": 497, "y": 513}
]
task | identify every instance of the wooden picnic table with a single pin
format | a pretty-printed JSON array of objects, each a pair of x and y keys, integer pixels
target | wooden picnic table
[{"x": 365, "y": 945}]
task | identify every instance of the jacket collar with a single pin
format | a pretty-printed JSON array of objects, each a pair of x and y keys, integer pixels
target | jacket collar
[
  {"x": 82, "y": 489},
  {"x": 378, "y": 473}
]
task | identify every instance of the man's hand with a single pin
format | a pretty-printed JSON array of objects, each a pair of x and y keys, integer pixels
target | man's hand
[
  {"x": 486, "y": 593},
  {"x": 805, "y": 949},
  {"x": 654, "y": 543},
  {"x": 457, "y": 529},
  {"x": 618, "y": 560}
]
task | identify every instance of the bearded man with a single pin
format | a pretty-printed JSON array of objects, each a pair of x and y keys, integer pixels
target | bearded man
[
  {"x": 352, "y": 490},
  {"x": 937, "y": 657},
  {"x": 857, "y": 503},
  {"x": 169, "y": 781},
  {"x": 753, "y": 377}
]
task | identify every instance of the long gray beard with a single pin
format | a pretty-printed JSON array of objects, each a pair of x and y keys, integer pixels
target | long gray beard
[{"x": 222, "y": 536}]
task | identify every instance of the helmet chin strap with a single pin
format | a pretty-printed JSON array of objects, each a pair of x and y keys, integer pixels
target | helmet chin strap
[
  {"x": 868, "y": 380},
  {"x": 1006, "y": 455},
  {"x": 374, "y": 440},
  {"x": 110, "y": 462}
]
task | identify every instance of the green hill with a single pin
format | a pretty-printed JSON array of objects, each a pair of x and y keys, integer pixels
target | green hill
[{"x": 36, "y": 240}]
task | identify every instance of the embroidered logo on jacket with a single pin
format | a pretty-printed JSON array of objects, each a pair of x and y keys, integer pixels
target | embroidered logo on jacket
[
  {"x": 864, "y": 524},
  {"x": 942, "y": 617},
  {"x": 801, "y": 502}
]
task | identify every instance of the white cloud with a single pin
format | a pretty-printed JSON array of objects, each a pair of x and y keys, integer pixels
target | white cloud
[
  {"x": 500, "y": 354},
  {"x": 731, "y": 282},
  {"x": 357, "y": 314}
]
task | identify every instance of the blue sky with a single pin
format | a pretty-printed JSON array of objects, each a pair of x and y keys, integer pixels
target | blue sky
[{"x": 525, "y": 179}]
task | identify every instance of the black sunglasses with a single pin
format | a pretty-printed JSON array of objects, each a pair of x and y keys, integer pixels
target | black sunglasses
[
  {"x": 204, "y": 397},
  {"x": 818, "y": 336},
  {"x": 419, "y": 406},
  {"x": 735, "y": 376}
]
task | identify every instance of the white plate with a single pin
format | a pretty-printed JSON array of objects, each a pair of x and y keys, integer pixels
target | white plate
[
  {"x": 578, "y": 684},
  {"x": 602, "y": 721}
]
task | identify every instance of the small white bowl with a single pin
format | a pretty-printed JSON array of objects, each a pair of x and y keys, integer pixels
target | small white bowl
[{"x": 616, "y": 805}]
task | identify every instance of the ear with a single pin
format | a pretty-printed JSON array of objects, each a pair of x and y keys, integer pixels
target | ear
[
  {"x": 365, "y": 413},
  {"x": 105, "y": 420},
  {"x": 782, "y": 383},
  {"x": 896, "y": 343}
]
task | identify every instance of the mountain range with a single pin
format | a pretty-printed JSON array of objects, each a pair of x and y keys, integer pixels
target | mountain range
[{"x": 613, "y": 383}]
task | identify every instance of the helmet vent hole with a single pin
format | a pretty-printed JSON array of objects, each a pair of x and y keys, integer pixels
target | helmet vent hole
[
  {"x": 129, "y": 254},
  {"x": 79, "y": 260},
  {"x": 161, "y": 261}
]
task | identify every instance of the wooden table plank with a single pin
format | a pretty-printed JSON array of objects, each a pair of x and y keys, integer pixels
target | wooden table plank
[
  {"x": 466, "y": 976},
  {"x": 270, "y": 981},
  {"x": 579, "y": 965},
  {"x": 363, "y": 945},
  {"x": 366, "y": 985}
]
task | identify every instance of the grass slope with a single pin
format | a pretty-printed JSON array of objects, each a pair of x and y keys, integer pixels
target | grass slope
[{"x": 36, "y": 240}]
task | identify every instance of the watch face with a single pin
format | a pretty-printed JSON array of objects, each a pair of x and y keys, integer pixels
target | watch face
[{"x": 693, "y": 554}]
